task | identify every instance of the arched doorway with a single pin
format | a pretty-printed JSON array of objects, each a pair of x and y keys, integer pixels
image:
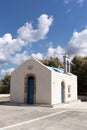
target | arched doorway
[
  {"x": 30, "y": 96},
  {"x": 30, "y": 89},
  {"x": 62, "y": 92}
]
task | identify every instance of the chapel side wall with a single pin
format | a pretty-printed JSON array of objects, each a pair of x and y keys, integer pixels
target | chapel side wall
[
  {"x": 72, "y": 95},
  {"x": 43, "y": 82},
  {"x": 69, "y": 80},
  {"x": 57, "y": 79}
]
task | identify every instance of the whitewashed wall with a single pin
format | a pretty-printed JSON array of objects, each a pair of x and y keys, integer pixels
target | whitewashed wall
[
  {"x": 68, "y": 79},
  {"x": 43, "y": 82}
]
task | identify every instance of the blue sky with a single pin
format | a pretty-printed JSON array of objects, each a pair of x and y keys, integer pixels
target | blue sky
[{"x": 41, "y": 29}]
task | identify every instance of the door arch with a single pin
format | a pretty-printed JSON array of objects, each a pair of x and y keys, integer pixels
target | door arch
[
  {"x": 62, "y": 92},
  {"x": 30, "y": 95},
  {"x": 30, "y": 89}
]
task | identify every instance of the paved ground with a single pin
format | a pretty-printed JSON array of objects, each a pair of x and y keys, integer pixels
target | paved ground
[{"x": 66, "y": 117}]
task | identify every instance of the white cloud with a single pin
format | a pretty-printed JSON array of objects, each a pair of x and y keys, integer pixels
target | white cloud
[
  {"x": 78, "y": 44},
  {"x": 68, "y": 11},
  {"x": 27, "y": 33},
  {"x": 7, "y": 71},
  {"x": 55, "y": 52},
  {"x": 37, "y": 56},
  {"x": 2, "y": 58},
  {"x": 9, "y": 46},
  {"x": 79, "y": 2},
  {"x": 19, "y": 58},
  {"x": 12, "y": 49},
  {"x": 67, "y": 1},
  {"x": 51, "y": 52}
]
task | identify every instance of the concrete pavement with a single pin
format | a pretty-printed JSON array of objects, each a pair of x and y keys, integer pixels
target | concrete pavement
[{"x": 22, "y": 117}]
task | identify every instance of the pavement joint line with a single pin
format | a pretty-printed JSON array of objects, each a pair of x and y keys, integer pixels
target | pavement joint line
[
  {"x": 33, "y": 120},
  {"x": 43, "y": 117}
]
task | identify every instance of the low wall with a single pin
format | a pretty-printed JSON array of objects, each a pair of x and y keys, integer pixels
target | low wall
[
  {"x": 4, "y": 98},
  {"x": 4, "y": 95}
]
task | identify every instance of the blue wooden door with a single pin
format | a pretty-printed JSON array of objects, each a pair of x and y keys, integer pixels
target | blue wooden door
[
  {"x": 62, "y": 94},
  {"x": 31, "y": 90}
]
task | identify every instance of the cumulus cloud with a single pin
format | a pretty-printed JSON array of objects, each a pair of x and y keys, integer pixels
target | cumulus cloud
[
  {"x": 55, "y": 52},
  {"x": 19, "y": 58},
  {"x": 2, "y": 58},
  {"x": 9, "y": 46},
  {"x": 7, "y": 71},
  {"x": 67, "y": 1},
  {"x": 12, "y": 49},
  {"x": 79, "y": 2},
  {"x": 78, "y": 44},
  {"x": 51, "y": 52},
  {"x": 27, "y": 33},
  {"x": 68, "y": 11},
  {"x": 37, "y": 56}
]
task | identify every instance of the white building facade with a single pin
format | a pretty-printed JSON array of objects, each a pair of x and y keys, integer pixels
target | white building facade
[{"x": 35, "y": 83}]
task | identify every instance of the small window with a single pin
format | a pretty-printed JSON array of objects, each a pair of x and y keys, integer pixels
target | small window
[{"x": 69, "y": 91}]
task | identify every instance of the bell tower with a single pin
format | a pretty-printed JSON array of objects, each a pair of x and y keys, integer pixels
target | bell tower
[{"x": 66, "y": 60}]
